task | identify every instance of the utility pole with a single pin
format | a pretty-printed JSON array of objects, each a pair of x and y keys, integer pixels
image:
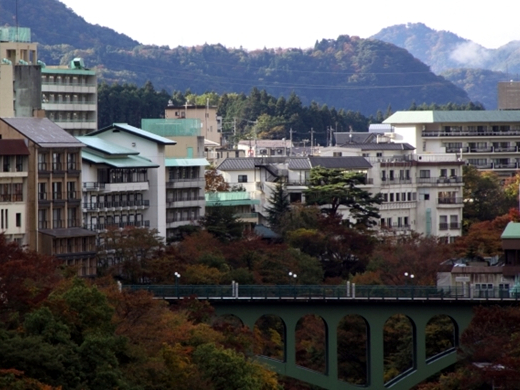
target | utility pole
[
  {"x": 234, "y": 133},
  {"x": 290, "y": 135},
  {"x": 312, "y": 141}
]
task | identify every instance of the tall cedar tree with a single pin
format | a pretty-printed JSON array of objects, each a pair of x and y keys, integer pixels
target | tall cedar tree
[
  {"x": 222, "y": 223},
  {"x": 278, "y": 206},
  {"x": 332, "y": 188}
]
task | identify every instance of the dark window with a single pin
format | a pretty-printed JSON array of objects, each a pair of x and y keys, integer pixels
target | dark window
[
  {"x": 242, "y": 178},
  {"x": 18, "y": 219}
]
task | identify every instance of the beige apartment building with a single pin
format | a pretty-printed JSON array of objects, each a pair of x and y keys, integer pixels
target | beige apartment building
[
  {"x": 53, "y": 192},
  {"x": 211, "y": 124}
]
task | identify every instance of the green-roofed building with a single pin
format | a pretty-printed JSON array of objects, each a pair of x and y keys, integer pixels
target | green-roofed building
[
  {"x": 489, "y": 140},
  {"x": 242, "y": 202}
]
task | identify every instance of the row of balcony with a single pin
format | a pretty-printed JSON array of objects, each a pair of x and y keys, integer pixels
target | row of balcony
[
  {"x": 96, "y": 206},
  {"x": 60, "y": 196},
  {"x": 59, "y": 167},
  {"x": 454, "y": 133},
  {"x": 104, "y": 226},
  {"x": 450, "y": 200},
  {"x": 11, "y": 197},
  {"x": 59, "y": 224},
  {"x": 508, "y": 166},
  {"x": 488, "y": 149},
  {"x": 450, "y": 226}
]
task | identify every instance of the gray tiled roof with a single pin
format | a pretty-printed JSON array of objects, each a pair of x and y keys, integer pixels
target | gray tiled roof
[
  {"x": 299, "y": 163},
  {"x": 237, "y": 164},
  {"x": 380, "y": 146},
  {"x": 354, "y": 137},
  {"x": 43, "y": 132},
  {"x": 340, "y": 162}
]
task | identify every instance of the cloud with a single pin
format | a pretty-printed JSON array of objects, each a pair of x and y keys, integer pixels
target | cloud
[{"x": 470, "y": 54}]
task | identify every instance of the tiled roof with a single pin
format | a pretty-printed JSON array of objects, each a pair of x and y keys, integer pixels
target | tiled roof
[
  {"x": 119, "y": 162},
  {"x": 106, "y": 147},
  {"x": 134, "y": 130},
  {"x": 354, "y": 137},
  {"x": 299, "y": 163},
  {"x": 237, "y": 164},
  {"x": 484, "y": 116},
  {"x": 340, "y": 162},
  {"x": 68, "y": 232},
  {"x": 267, "y": 143},
  {"x": 379, "y": 146},
  {"x": 43, "y": 132}
]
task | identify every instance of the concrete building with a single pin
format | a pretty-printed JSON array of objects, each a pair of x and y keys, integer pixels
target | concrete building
[
  {"x": 53, "y": 206},
  {"x": 509, "y": 95},
  {"x": 421, "y": 193},
  {"x": 265, "y": 147},
  {"x": 69, "y": 96},
  {"x": 185, "y": 165},
  {"x": 115, "y": 185},
  {"x": 14, "y": 164},
  {"x": 20, "y": 93},
  {"x": 124, "y": 183},
  {"x": 210, "y": 123},
  {"x": 489, "y": 140}
]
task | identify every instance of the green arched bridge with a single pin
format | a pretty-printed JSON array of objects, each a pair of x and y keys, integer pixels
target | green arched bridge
[{"x": 374, "y": 304}]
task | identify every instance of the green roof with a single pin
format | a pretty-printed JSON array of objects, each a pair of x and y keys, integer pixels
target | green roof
[
  {"x": 134, "y": 130},
  {"x": 119, "y": 162},
  {"x": 173, "y": 127},
  {"x": 235, "y": 198},
  {"x": 512, "y": 231},
  {"x": 106, "y": 147},
  {"x": 51, "y": 70},
  {"x": 186, "y": 162},
  {"x": 483, "y": 116}
]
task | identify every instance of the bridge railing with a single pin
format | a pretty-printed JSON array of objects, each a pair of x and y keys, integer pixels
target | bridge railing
[{"x": 347, "y": 291}]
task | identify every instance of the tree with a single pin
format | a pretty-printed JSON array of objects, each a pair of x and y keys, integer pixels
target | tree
[
  {"x": 215, "y": 181},
  {"x": 222, "y": 223},
  {"x": 278, "y": 205},
  {"x": 484, "y": 198},
  {"x": 333, "y": 188}
]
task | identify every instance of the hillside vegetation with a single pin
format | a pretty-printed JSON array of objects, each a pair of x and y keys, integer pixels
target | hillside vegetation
[{"x": 349, "y": 72}]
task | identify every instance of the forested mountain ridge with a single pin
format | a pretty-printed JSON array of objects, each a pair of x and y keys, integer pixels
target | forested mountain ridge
[
  {"x": 467, "y": 64},
  {"x": 350, "y": 73}
]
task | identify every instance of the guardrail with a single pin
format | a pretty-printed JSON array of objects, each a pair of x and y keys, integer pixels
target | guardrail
[{"x": 315, "y": 292}]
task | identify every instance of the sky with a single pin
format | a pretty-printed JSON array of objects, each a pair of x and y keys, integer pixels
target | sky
[{"x": 296, "y": 24}]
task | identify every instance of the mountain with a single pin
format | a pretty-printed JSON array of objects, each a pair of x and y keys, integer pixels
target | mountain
[
  {"x": 454, "y": 57},
  {"x": 348, "y": 73}
]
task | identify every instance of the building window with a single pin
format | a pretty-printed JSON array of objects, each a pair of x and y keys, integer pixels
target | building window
[
  {"x": 242, "y": 178},
  {"x": 18, "y": 219},
  {"x": 424, "y": 173}
]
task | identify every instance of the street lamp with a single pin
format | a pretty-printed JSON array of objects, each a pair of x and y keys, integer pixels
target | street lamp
[
  {"x": 293, "y": 276},
  {"x": 408, "y": 276},
  {"x": 177, "y": 277}
]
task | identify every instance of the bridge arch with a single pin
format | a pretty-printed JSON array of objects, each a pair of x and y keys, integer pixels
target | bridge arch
[{"x": 375, "y": 313}]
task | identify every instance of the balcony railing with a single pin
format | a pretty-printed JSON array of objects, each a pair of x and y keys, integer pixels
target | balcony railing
[
  {"x": 43, "y": 196},
  {"x": 93, "y": 186},
  {"x": 488, "y": 133},
  {"x": 73, "y": 222},
  {"x": 450, "y": 200},
  {"x": 118, "y": 204},
  {"x": 43, "y": 167},
  {"x": 439, "y": 180},
  {"x": 11, "y": 197},
  {"x": 73, "y": 195},
  {"x": 58, "y": 223},
  {"x": 395, "y": 180},
  {"x": 43, "y": 225},
  {"x": 58, "y": 167},
  {"x": 104, "y": 226}
]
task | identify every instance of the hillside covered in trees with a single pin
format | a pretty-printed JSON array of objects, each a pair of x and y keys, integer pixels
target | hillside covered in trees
[{"x": 349, "y": 72}]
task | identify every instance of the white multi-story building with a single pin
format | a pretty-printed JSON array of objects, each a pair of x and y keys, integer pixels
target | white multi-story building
[
  {"x": 136, "y": 178},
  {"x": 489, "y": 140},
  {"x": 421, "y": 193},
  {"x": 69, "y": 96},
  {"x": 115, "y": 185}
]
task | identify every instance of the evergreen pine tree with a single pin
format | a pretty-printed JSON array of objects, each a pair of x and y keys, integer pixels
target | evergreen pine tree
[{"x": 278, "y": 205}]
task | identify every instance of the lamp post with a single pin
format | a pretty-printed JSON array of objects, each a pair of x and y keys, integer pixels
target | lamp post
[
  {"x": 177, "y": 277},
  {"x": 293, "y": 277},
  {"x": 409, "y": 276}
]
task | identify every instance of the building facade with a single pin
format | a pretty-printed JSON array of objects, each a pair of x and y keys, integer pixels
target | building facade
[
  {"x": 69, "y": 96},
  {"x": 489, "y": 140},
  {"x": 211, "y": 124},
  {"x": 53, "y": 207}
]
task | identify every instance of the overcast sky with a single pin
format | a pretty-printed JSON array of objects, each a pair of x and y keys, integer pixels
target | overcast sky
[{"x": 290, "y": 23}]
